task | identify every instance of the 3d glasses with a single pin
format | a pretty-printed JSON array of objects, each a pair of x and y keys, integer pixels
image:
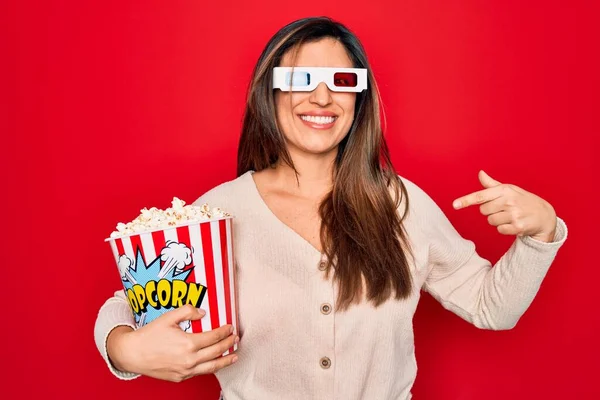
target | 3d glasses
[{"x": 306, "y": 79}]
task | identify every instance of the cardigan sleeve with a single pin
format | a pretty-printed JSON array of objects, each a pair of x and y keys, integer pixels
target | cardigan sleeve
[
  {"x": 114, "y": 312},
  {"x": 489, "y": 297}
]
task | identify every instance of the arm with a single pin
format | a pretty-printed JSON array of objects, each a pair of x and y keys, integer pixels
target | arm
[
  {"x": 114, "y": 313},
  {"x": 466, "y": 284},
  {"x": 161, "y": 349}
]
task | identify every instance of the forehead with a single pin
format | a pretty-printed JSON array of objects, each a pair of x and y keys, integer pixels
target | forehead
[{"x": 324, "y": 53}]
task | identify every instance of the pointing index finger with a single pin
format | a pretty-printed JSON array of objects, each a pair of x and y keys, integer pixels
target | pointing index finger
[{"x": 479, "y": 197}]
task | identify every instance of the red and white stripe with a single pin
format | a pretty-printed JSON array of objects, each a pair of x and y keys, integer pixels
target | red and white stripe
[{"x": 212, "y": 259}]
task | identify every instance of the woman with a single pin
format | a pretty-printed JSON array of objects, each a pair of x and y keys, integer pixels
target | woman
[{"x": 332, "y": 247}]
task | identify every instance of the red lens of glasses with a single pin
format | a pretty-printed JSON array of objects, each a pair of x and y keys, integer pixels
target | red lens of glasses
[{"x": 345, "y": 79}]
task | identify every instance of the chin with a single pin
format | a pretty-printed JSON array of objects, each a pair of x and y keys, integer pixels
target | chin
[
  {"x": 315, "y": 142},
  {"x": 316, "y": 149}
]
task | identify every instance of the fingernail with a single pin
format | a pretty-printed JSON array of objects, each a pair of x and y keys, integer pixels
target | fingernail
[
  {"x": 202, "y": 312},
  {"x": 231, "y": 329},
  {"x": 237, "y": 340},
  {"x": 234, "y": 360},
  {"x": 456, "y": 204}
]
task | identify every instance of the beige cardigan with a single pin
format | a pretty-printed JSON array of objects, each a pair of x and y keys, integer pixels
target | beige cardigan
[{"x": 292, "y": 348}]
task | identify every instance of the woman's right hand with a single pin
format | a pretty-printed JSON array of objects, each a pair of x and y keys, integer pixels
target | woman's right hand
[{"x": 162, "y": 350}]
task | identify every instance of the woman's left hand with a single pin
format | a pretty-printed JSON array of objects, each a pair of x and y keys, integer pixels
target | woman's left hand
[{"x": 512, "y": 210}]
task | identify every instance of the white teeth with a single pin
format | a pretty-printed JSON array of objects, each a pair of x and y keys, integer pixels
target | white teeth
[{"x": 318, "y": 119}]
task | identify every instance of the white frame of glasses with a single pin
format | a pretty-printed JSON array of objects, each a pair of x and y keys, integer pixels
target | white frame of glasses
[{"x": 318, "y": 75}]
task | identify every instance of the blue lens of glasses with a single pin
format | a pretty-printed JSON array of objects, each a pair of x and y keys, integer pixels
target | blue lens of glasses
[{"x": 297, "y": 78}]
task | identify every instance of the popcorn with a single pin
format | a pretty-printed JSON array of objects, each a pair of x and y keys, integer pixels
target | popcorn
[{"x": 178, "y": 214}]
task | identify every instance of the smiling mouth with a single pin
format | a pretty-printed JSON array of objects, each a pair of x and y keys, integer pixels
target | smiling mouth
[{"x": 318, "y": 120}]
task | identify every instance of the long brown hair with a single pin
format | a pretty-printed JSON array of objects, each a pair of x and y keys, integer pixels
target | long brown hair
[{"x": 362, "y": 233}]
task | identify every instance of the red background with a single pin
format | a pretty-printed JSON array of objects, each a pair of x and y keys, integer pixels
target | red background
[{"x": 117, "y": 105}]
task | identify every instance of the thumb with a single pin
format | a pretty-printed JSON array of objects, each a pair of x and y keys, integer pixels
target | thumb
[
  {"x": 185, "y": 313},
  {"x": 487, "y": 181}
]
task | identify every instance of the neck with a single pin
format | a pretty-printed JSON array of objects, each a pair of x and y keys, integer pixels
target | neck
[{"x": 315, "y": 174}]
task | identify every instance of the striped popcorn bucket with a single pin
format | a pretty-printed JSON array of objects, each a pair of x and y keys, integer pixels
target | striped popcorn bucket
[{"x": 188, "y": 264}]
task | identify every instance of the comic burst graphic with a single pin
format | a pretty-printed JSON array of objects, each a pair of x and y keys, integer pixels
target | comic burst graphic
[{"x": 170, "y": 265}]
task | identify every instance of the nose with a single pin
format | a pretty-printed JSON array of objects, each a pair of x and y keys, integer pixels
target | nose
[{"x": 321, "y": 95}]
